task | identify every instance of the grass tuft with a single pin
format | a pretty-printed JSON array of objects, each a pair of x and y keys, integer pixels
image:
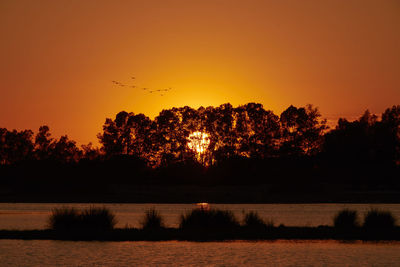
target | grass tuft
[
  {"x": 67, "y": 219},
  {"x": 98, "y": 218},
  {"x": 253, "y": 221},
  {"x": 208, "y": 219},
  {"x": 346, "y": 219},
  {"x": 376, "y": 219},
  {"x": 152, "y": 220},
  {"x": 63, "y": 219}
]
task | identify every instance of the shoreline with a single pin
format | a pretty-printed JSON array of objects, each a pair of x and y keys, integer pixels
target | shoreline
[{"x": 169, "y": 234}]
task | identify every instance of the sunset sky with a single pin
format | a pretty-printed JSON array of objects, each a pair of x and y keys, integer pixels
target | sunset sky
[{"x": 58, "y": 58}]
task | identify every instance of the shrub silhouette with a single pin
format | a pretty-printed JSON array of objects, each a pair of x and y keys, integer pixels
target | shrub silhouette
[
  {"x": 346, "y": 219},
  {"x": 208, "y": 219},
  {"x": 152, "y": 220},
  {"x": 253, "y": 221},
  {"x": 376, "y": 219},
  {"x": 98, "y": 218},
  {"x": 66, "y": 219}
]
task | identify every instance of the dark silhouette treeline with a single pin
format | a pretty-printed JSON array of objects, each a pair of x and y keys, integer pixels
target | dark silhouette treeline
[{"x": 248, "y": 145}]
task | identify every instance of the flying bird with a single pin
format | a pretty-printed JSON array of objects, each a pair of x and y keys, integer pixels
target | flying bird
[{"x": 161, "y": 92}]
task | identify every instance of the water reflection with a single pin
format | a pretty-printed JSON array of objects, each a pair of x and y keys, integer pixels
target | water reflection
[{"x": 278, "y": 253}]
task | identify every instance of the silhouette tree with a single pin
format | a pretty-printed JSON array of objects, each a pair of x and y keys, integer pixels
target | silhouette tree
[
  {"x": 262, "y": 131},
  {"x": 355, "y": 142},
  {"x": 167, "y": 138},
  {"x": 248, "y": 145},
  {"x": 191, "y": 120},
  {"x": 90, "y": 153},
  {"x": 43, "y": 143},
  {"x": 15, "y": 146},
  {"x": 128, "y": 134},
  {"x": 141, "y": 131},
  {"x": 225, "y": 132},
  {"x": 389, "y": 134},
  {"x": 115, "y": 135},
  {"x": 65, "y": 151},
  {"x": 302, "y": 131},
  {"x": 3, "y": 149}
]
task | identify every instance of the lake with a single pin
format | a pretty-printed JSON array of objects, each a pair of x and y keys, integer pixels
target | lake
[
  {"x": 229, "y": 253},
  {"x": 34, "y": 215},
  {"x": 238, "y": 253}
]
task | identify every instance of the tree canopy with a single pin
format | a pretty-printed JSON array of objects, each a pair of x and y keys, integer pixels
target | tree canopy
[{"x": 247, "y": 131}]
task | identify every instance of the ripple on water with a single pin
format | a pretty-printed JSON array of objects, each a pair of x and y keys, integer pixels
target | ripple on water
[{"x": 238, "y": 253}]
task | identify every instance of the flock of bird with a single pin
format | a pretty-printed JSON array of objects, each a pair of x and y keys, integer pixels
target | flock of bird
[{"x": 162, "y": 92}]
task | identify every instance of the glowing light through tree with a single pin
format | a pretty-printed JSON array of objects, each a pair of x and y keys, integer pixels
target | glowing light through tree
[{"x": 198, "y": 142}]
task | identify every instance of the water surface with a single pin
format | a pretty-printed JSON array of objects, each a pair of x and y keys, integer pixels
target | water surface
[{"x": 238, "y": 253}]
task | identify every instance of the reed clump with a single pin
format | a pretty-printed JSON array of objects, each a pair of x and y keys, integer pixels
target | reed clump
[
  {"x": 71, "y": 219},
  {"x": 253, "y": 221},
  {"x": 98, "y": 218},
  {"x": 209, "y": 219},
  {"x": 346, "y": 220},
  {"x": 64, "y": 218},
  {"x": 152, "y": 220},
  {"x": 377, "y": 219}
]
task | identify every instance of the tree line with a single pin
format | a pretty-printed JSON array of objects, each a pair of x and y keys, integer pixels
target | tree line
[{"x": 247, "y": 131}]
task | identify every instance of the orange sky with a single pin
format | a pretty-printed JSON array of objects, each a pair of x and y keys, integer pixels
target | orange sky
[{"x": 57, "y": 58}]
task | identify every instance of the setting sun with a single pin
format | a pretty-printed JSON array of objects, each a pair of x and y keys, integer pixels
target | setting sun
[{"x": 198, "y": 142}]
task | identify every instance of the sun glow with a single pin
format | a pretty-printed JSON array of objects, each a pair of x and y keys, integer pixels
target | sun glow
[
  {"x": 204, "y": 206},
  {"x": 198, "y": 142}
]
